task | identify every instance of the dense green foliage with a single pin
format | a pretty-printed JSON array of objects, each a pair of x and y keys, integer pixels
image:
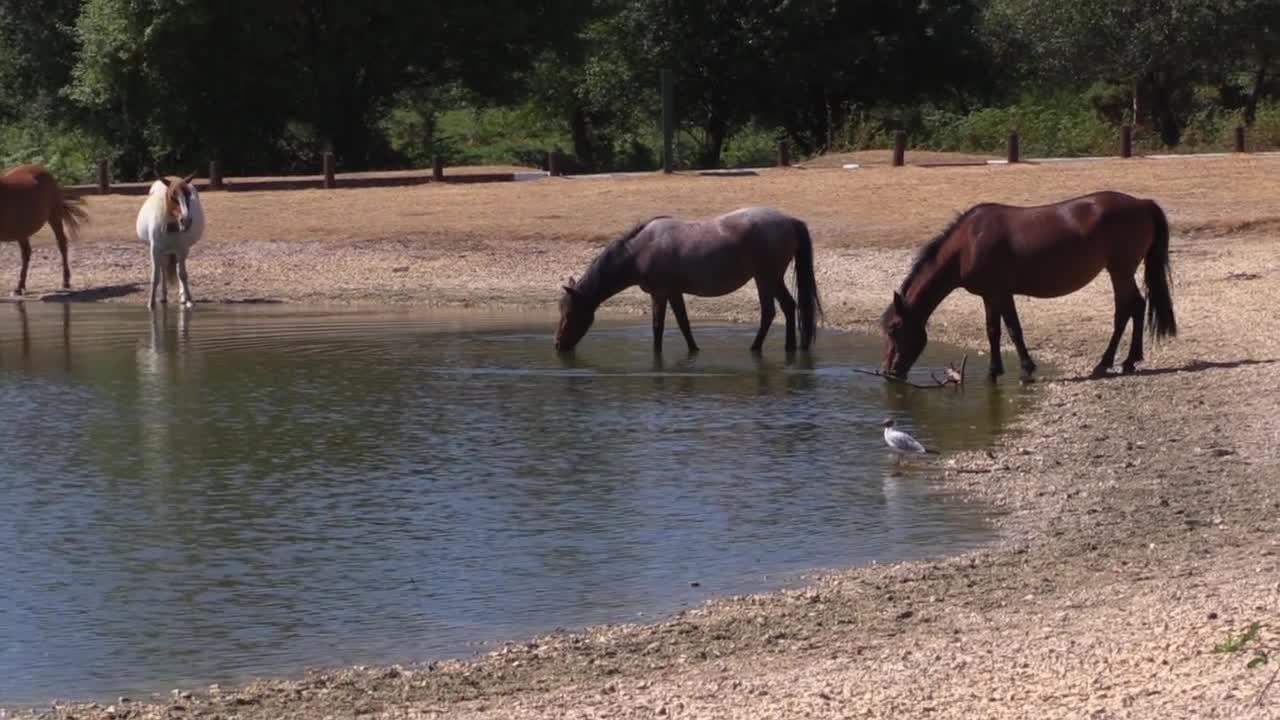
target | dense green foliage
[{"x": 266, "y": 86}]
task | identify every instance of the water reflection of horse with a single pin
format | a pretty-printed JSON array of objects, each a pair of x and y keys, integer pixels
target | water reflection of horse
[
  {"x": 159, "y": 360},
  {"x": 30, "y": 197},
  {"x": 998, "y": 251},
  {"x": 669, "y": 258},
  {"x": 25, "y": 345}
]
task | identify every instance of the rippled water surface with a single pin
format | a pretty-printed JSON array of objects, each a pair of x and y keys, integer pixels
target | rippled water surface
[{"x": 235, "y": 492}]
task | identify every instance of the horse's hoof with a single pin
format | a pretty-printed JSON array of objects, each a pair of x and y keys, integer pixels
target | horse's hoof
[
  {"x": 1128, "y": 369},
  {"x": 1027, "y": 379},
  {"x": 1098, "y": 373},
  {"x": 16, "y": 293}
]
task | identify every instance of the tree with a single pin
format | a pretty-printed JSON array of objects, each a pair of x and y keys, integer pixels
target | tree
[
  {"x": 1157, "y": 47},
  {"x": 37, "y": 49}
]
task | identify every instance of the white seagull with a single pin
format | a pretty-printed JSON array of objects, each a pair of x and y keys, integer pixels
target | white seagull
[{"x": 901, "y": 442}]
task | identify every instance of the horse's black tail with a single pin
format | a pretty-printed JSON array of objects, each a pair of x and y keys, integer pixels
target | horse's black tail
[
  {"x": 1157, "y": 276},
  {"x": 807, "y": 300}
]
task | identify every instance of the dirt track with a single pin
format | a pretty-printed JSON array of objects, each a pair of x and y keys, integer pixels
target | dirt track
[{"x": 1141, "y": 512}]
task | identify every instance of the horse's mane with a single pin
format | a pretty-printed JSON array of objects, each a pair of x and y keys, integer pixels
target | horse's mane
[
  {"x": 157, "y": 200},
  {"x": 616, "y": 249},
  {"x": 930, "y": 251}
]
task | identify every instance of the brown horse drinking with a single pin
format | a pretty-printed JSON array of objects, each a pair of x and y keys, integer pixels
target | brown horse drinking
[
  {"x": 29, "y": 198},
  {"x": 998, "y": 251},
  {"x": 670, "y": 258}
]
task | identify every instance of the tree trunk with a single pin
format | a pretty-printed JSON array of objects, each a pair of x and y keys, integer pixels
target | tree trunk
[
  {"x": 713, "y": 145},
  {"x": 1260, "y": 77},
  {"x": 583, "y": 148},
  {"x": 1162, "y": 112},
  {"x": 1142, "y": 101}
]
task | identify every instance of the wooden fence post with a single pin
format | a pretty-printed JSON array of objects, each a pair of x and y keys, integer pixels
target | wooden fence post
[
  {"x": 1126, "y": 141},
  {"x": 784, "y": 154},
  {"x": 437, "y": 168},
  {"x": 104, "y": 176},
  {"x": 215, "y": 175},
  {"x": 1013, "y": 147},
  {"x": 330, "y": 181},
  {"x": 1239, "y": 138},
  {"x": 899, "y": 148},
  {"x": 553, "y": 163}
]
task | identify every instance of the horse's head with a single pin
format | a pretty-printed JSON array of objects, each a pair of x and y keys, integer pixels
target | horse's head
[
  {"x": 904, "y": 337},
  {"x": 576, "y": 316},
  {"x": 180, "y": 197}
]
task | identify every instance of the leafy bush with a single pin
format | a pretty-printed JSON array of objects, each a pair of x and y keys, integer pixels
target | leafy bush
[
  {"x": 71, "y": 154},
  {"x": 1051, "y": 129},
  {"x": 753, "y": 146}
]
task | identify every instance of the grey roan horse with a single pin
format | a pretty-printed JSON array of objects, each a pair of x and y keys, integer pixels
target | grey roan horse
[{"x": 669, "y": 258}]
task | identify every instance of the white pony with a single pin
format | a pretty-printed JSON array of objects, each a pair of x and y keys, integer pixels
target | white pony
[{"x": 170, "y": 222}]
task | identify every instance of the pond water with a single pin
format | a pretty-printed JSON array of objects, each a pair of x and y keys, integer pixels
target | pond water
[{"x": 209, "y": 496}]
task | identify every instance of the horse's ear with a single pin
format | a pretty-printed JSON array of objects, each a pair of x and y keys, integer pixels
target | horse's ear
[
  {"x": 572, "y": 282},
  {"x": 189, "y": 178},
  {"x": 569, "y": 289},
  {"x": 899, "y": 304},
  {"x": 164, "y": 180}
]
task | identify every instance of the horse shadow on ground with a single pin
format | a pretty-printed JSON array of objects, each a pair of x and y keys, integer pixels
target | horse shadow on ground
[
  {"x": 1193, "y": 366},
  {"x": 93, "y": 294}
]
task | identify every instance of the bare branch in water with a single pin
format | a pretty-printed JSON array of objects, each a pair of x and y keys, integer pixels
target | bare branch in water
[{"x": 952, "y": 376}]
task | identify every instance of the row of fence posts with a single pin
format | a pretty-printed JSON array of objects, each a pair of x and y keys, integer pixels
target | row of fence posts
[{"x": 330, "y": 181}]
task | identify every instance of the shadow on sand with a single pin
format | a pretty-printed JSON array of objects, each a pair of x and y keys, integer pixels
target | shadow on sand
[
  {"x": 94, "y": 294},
  {"x": 1194, "y": 366}
]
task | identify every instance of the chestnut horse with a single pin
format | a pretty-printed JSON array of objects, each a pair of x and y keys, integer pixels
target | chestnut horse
[
  {"x": 29, "y": 198},
  {"x": 998, "y": 251},
  {"x": 668, "y": 258}
]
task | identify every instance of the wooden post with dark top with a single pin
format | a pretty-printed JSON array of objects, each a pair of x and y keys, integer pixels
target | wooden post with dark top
[
  {"x": 215, "y": 175},
  {"x": 1239, "y": 138},
  {"x": 899, "y": 148},
  {"x": 104, "y": 177},
  {"x": 1013, "y": 155},
  {"x": 330, "y": 181},
  {"x": 784, "y": 154},
  {"x": 1126, "y": 141},
  {"x": 553, "y": 163},
  {"x": 437, "y": 168}
]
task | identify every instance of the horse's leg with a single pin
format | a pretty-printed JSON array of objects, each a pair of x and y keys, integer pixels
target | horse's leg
[
  {"x": 1125, "y": 290},
  {"x": 766, "y": 291},
  {"x": 993, "y": 336},
  {"x": 1137, "y": 309},
  {"x": 682, "y": 319},
  {"x": 185, "y": 285},
  {"x": 157, "y": 276},
  {"x": 24, "y": 245},
  {"x": 788, "y": 304},
  {"x": 659, "y": 320},
  {"x": 1010, "y": 313},
  {"x": 55, "y": 223}
]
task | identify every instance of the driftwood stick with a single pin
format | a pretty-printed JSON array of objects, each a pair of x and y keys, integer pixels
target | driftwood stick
[{"x": 953, "y": 376}]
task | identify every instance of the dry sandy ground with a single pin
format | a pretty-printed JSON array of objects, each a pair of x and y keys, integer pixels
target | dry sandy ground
[{"x": 1139, "y": 524}]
